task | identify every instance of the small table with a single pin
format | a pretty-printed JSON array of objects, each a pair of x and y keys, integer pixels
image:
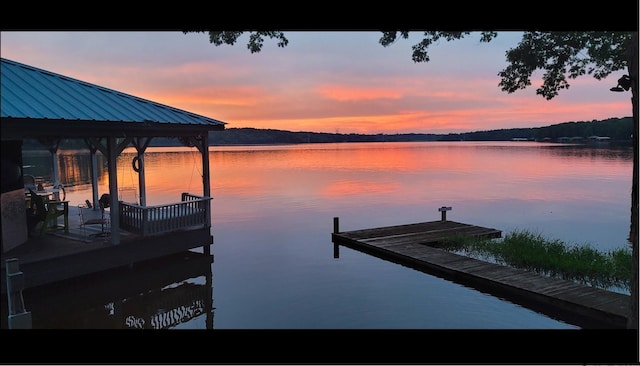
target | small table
[{"x": 46, "y": 195}]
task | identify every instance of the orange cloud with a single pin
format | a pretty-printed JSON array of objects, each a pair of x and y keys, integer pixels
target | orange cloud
[
  {"x": 389, "y": 105},
  {"x": 210, "y": 97},
  {"x": 345, "y": 93}
]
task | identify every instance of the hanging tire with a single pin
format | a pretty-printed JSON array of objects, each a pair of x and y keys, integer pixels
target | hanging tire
[
  {"x": 61, "y": 192},
  {"x": 135, "y": 164}
]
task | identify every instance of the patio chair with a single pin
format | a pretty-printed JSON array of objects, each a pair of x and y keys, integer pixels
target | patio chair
[
  {"x": 88, "y": 219},
  {"x": 29, "y": 182},
  {"x": 36, "y": 210},
  {"x": 47, "y": 211}
]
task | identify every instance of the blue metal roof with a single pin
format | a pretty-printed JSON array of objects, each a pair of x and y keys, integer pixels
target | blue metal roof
[{"x": 29, "y": 92}]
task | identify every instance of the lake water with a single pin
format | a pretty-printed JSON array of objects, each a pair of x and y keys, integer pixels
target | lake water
[{"x": 273, "y": 210}]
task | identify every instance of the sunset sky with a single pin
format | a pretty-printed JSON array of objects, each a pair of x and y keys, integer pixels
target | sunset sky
[{"x": 336, "y": 82}]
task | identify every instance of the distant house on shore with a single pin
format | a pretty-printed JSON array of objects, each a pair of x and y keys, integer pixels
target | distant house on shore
[{"x": 599, "y": 138}]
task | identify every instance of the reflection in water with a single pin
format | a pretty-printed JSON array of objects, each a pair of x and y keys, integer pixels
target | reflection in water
[
  {"x": 73, "y": 166},
  {"x": 272, "y": 213},
  {"x": 160, "y": 294},
  {"x": 508, "y": 184}
]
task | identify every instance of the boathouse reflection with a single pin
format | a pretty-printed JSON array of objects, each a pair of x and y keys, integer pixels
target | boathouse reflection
[{"x": 158, "y": 294}]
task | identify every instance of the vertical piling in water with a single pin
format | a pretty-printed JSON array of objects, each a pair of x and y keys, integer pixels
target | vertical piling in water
[
  {"x": 443, "y": 211},
  {"x": 18, "y": 317},
  {"x": 336, "y": 230}
]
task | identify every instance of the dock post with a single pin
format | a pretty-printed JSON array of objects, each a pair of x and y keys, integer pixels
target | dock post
[
  {"x": 443, "y": 210},
  {"x": 336, "y": 230},
  {"x": 18, "y": 317}
]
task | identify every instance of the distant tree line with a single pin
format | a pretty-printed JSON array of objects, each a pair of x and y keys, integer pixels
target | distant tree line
[
  {"x": 618, "y": 129},
  {"x": 244, "y": 136}
]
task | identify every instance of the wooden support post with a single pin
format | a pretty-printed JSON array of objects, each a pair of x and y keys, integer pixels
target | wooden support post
[
  {"x": 18, "y": 317},
  {"x": 443, "y": 210},
  {"x": 209, "y": 301},
  {"x": 336, "y": 230}
]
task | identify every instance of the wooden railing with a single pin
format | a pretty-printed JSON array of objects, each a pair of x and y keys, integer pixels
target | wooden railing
[{"x": 150, "y": 220}]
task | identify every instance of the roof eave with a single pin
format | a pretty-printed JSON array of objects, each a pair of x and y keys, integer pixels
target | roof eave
[{"x": 21, "y": 128}]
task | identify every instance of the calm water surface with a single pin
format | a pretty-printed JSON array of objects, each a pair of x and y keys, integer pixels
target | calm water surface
[{"x": 273, "y": 209}]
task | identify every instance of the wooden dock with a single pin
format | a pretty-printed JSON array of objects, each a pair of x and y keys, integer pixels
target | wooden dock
[{"x": 412, "y": 245}]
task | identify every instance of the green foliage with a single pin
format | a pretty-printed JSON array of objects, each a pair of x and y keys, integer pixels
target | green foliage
[
  {"x": 420, "y": 50},
  {"x": 532, "y": 252},
  {"x": 256, "y": 38},
  {"x": 562, "y": 55}
]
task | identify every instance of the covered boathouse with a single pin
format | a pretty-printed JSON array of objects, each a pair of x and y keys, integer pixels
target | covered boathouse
[{"x": 48, "y": 107}]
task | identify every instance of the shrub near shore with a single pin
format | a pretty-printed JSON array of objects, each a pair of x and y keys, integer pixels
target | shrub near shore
[{"x": 531, "y": 252}]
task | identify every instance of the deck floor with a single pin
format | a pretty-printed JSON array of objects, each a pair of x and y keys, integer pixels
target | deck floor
[
  {"x": 58, "y": 255},
  {"x": 411, "y": 245},
  {"x": 57, "y": 242}
]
